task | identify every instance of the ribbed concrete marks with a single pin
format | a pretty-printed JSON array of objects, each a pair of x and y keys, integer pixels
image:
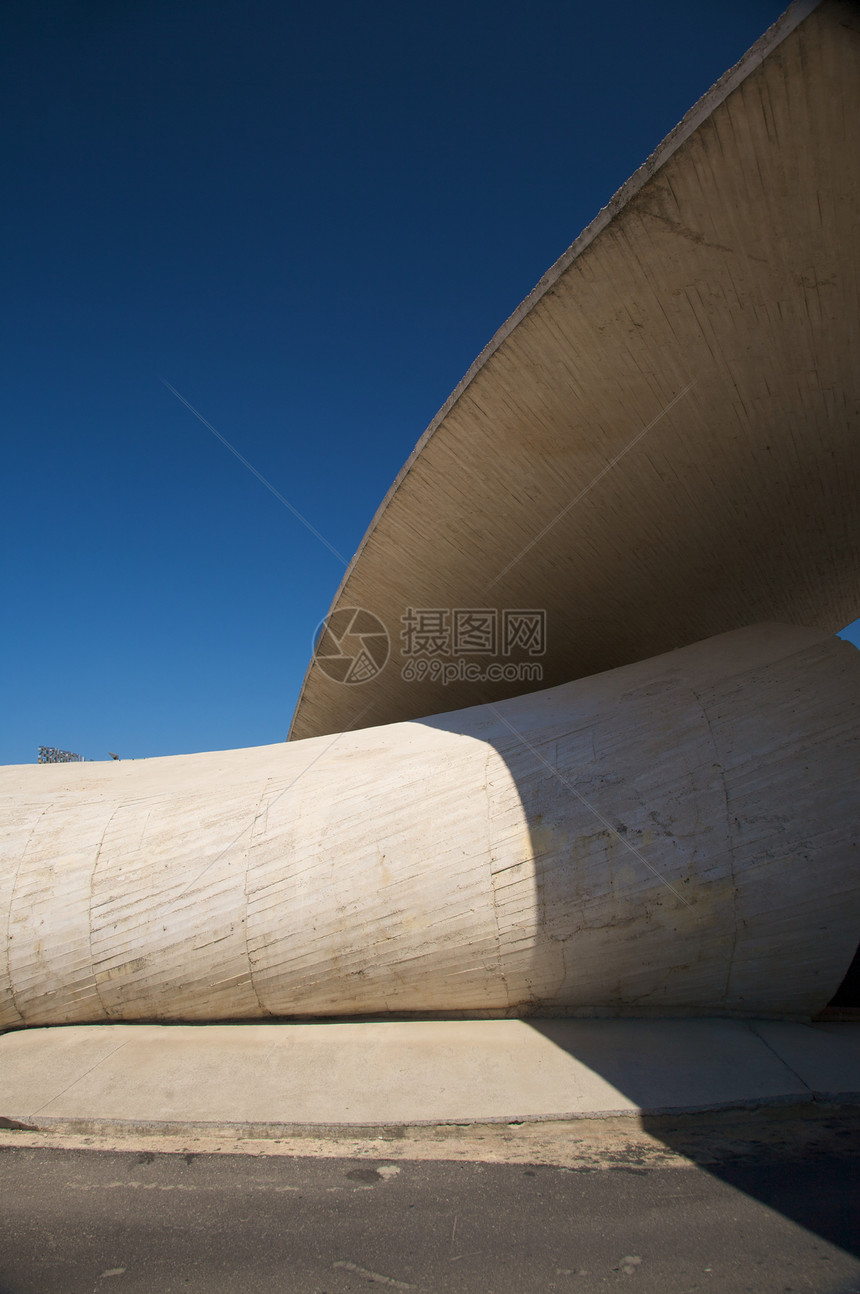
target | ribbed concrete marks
[{"x": 676, "y": 836}]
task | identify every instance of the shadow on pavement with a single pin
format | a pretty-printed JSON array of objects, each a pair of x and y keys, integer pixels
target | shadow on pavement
[{"x": 802, "y": 1161}]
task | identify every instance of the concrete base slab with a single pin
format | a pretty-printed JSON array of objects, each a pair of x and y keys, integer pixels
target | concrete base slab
[
  {"x": 266, "y": 1077},
  {"x": 827, "y": 1056},
  {"x": 279, "y": 1075}
]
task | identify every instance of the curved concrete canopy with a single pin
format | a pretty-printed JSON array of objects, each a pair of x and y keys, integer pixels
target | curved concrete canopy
[{"x": 661, "y": 444}]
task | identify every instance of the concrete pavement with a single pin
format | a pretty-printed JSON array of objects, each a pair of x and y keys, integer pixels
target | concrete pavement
[{"x": 258, "y": 1080}]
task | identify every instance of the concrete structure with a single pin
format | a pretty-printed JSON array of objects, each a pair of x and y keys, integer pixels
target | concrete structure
[
  {"x": 676, "y": 836},
  {"x": 661, "y": 443},
  {"x": 258, "y": 1080}
]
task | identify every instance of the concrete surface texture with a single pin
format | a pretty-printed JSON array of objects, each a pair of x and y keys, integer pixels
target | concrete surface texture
[
  {"x": 258, "y": 1079},
  {"x": 661, "y": 444},
  {"x": 679, "y": 835}
]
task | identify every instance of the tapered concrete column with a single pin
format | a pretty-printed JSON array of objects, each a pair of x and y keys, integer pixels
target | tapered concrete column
[{"x": 678, "y": 835}]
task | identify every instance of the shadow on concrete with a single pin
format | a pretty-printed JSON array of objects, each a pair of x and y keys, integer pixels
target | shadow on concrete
[
  {"x": 801, "y": 1160},
  {"x": 847, "y": 996},
  {"x": 634, "y": 906},
  {"x": 675, "y": 858}
]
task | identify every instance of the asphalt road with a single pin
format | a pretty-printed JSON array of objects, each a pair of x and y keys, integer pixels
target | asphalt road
[{"x": 75, "y": 1221}]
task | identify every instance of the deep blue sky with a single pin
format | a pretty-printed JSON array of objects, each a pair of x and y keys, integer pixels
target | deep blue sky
[{"x": 309, "y": 219}]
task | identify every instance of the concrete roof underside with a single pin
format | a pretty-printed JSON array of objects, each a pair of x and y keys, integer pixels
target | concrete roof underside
[{"x": 661, "y": 443}]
